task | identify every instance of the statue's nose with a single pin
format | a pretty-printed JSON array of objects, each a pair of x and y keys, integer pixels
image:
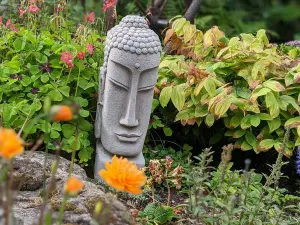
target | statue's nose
[
  {"x": 129, "y": 121},
  {"x": 129, "y": 117}
]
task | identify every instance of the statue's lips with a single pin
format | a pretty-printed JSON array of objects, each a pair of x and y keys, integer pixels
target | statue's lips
[{"x": 128, "y": 137}]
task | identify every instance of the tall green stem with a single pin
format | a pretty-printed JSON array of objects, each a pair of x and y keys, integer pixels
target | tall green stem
[{"x": 62, "y": 209}]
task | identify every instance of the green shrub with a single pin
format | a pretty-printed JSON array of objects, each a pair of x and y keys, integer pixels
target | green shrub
[
  {"x": 225, "y": 196},
  {"x": 244, "y": 81},
  {"x": 31, "y": 69}
]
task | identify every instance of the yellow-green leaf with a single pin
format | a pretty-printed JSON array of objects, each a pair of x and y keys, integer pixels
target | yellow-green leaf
[
  {"x": 178, "y": 97},
  {"x": 293, "y": 122},
  {"x": 210, "y": 86},
  {"x": 165, "y": 96},
  {"x": 222, "y": 107}
]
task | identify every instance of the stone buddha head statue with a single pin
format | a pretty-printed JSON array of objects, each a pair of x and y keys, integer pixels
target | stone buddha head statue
[{"x": 128, "y": 77}]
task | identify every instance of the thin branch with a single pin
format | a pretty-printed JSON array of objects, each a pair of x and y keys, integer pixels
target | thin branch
[{"x": 192, "y": 10}]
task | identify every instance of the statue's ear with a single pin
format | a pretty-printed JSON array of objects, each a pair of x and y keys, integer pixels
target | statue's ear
[{"x": 98, "y": 120}]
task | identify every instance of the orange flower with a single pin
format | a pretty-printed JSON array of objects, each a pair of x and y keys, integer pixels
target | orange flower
[
  {"x": 123, "y": 175},
  {"x": 10, "y": 144},
  {"x": 61, "y": 113},
  {"x": 73, "y": 186}
]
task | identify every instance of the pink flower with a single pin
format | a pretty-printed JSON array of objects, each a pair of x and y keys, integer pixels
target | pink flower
[
  {"x": 90, "y": 18},
  {"x": 13, "y": 28},
  {"x": 108, "y": 5},
  {"x": 7, "y": 23},
  {"x": 33, "y": 9},
  {"x": 67, "y": 58},
  {"x": 81, "y": 55},
  {"x": 90, "y": 48},
  {"x": 21, "y": 12},
  {"x": 0, "y": 20}
]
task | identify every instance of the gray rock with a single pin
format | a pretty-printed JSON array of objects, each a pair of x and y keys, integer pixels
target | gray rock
[{"x": 79, "y": 210}]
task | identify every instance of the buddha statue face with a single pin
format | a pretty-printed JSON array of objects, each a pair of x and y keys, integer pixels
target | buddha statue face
[
  {"x": 128, "y": 77},
  {"x": 127, "y": 101}
]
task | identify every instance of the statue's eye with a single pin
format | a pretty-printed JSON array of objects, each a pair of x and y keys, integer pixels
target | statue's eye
[
  {"x": 119, "y": 74},
  {"x": 148, "y": 79},
  {"x": 118, "y": 83}
]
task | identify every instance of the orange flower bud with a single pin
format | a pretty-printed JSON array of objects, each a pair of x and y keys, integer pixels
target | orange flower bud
[
  {"x": 61, "y": 113},
  {"x": 73, "y": 186},
  {"x": 10, "y": 144}
]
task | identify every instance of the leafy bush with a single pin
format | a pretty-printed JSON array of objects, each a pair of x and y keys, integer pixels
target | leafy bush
[
  {"x": 156, "y": 214},
  {"x": 32, "y": 67},
  {"x": 244, "y": 81},
  {"x": 239, "y": 197}
]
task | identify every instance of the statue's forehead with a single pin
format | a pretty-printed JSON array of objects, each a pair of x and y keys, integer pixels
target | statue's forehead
[{"x": 131, "y": 60}]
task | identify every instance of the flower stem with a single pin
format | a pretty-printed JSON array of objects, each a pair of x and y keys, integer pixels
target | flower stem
[
  {"x": 77, "y": 84},
  {"x": 62, "y": 209}
]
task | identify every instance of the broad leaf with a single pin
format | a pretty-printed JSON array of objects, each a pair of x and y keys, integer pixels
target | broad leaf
[{"x": 165, "y": 96}]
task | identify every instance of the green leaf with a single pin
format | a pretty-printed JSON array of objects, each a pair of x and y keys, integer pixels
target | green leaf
[
  {"x": 259, "y": 93},
  {"x": 201, "y": 110},
  {"x": 55, "y": 95},
  {"x": 44, "y": 78},
  {"x": 165, "y": 96},
  {"x": 34, "y": 69},
  {"x": 85, "y": 154},
  {"x": 155, "y": 104},
  {"x": 82, "y": 101},
  {"x": 19, "y": 44},
  {"x": 274, "y": 124},
  {"x": 183, "y": 115},
  {"x": 187, "y": 147},
  {"x": 178, "y": 97},
  {"x": 198, "y": 88},
  {"x": 245, "y": 123},
  {"x": 255, "y": 120},
  {"x": 68, "y": 130},
  {"x": 56, "y": 126},
  {"x": 210, "y": 86},
  {"x": 238, "y": 133},
  {"x": 54, "y": 134},
  {"x": 245, "y": 146},
  {"x": 84, "y": 113},
  {"x": 235, "y": 121},
  {"x": 293, "y": 122},
  {"x": 297, "y": 143},
  {"x": 209, "y": 120},
  {"x": 274, "y": 85},
  {"x": 188, "y": 32},
  {"x": 168, "y": 131},
  {"x": 85, "y": 125},
  {"x": 64, "y": 90},
  {"x": 74, "y": 143},
  {"x": 266, "y": 144},
  {"x": 272, "y": 104},
  {"x": 251, "y": 139},
  {"x": 264, "y": 116},
  {"x": 84, "y": 84},
  {"x": 222, "y": 107}
]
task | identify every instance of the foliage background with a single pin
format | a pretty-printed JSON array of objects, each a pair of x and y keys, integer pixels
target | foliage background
[{"x": 279, "y": 17}]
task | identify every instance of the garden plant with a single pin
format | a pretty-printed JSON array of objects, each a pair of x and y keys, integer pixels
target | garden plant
[{"x": 222, "y": 90}]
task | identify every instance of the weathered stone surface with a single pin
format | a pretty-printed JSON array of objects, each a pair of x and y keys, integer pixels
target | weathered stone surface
[
  {"x": 27, "y": 201},
  {"x": 28, "y": 170}
]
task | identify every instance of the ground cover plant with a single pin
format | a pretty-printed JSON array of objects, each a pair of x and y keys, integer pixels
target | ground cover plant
[
  {"x": 244, "y": 87},
  {"x": 54, "y": 58}
]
